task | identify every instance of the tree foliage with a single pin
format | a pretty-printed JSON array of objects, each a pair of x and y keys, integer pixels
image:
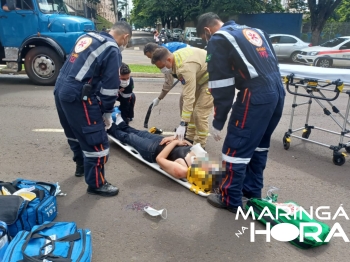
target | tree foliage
[{"x": 146, "y": 12}]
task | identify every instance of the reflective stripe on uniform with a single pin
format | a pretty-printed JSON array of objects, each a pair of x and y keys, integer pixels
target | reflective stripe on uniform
[
  {"x": 262, "y": 34},
  {"x": 222, "y": 83},
  {"x": 261, "y": 149},
  {"x": 191, "y": 125},
  {"x": 251, "y": 69},
  {"x": 202, "y": 133},
  {"x": 109, "y": 92},
  {"x": 91, "y": 58},
  {"x": 125, "y": 95},
  {"x": 185, "y": 114},
  {"x": 204, "y": 79},
  {"x": 235, "y": 160},
  {"x": 73, "y": 139},
  {"x": 97, "y": 154}
]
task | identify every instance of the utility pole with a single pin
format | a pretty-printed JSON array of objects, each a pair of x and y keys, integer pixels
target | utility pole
[
  {"x": 85, "y": 9},
  {"x": 116, "y": 10}
]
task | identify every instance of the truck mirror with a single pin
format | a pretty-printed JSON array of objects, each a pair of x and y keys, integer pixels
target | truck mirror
[{"x": 11, "y": 4}]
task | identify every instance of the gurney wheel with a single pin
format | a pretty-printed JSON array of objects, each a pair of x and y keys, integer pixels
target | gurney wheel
[
  {"x": 339, "y": 160},
  {"x": 347, "y": 148},
  {"x": 286, "y": 142},
  {"x": 306, "y": 133}
]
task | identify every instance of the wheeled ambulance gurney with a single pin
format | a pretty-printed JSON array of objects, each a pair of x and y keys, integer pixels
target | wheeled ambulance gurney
[
  {"x": 310, "y": 79},
  {"x": 156, "y": 167}
]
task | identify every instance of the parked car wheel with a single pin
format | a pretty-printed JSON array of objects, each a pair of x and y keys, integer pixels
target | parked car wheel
[
  {"x": 324, "y": 62},
  {"x": 294, "y": 57}
]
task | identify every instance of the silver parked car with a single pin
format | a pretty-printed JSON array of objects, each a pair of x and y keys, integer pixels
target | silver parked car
[{"x": 287, "y": 46}]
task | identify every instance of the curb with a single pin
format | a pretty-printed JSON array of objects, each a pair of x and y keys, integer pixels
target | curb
[
  {"x": 134, "y": 74},
  {"x": 147, "y": 75}
]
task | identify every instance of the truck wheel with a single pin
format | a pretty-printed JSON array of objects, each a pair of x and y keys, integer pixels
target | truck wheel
[{"x": 42, "y": 65}]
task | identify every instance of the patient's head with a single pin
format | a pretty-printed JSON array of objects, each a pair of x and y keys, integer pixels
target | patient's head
[
  {"x": 124, "y": 75},
  {"x": 206, "y": 174}
]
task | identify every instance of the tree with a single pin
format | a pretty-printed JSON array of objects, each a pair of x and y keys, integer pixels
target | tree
[
  {"x": 342, "y": 12},
  {"x": 319, "y": 13}
]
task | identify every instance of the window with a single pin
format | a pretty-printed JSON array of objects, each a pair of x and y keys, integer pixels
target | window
[
  {"x": 345, "y": 46},
  {"x": 334, "y": 42},
  {"x": 287, "y": 40},
  {"x": 275, "y": 39},
  {"x": 52, "y": 6}
]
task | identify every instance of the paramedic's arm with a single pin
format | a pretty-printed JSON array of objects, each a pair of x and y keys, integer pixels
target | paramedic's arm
[
  {"x": 167, "y": 86},
  {"x": 221, "y": 78},
  {"x": 187, "y": 73},
  {"x": 108, "y": 87},
  {"x": 171, "y": 167}
]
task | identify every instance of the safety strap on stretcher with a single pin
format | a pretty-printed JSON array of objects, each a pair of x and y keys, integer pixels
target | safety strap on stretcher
[{"x": 156, "y": 167}]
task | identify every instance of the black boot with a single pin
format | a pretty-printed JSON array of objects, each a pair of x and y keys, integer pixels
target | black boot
[
  {"x": 106, "y": 190},
  {"x": 79, "y": 170}
]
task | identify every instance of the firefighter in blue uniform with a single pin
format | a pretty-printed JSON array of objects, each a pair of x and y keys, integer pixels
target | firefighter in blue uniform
[
  {"x": 243, "y": 58},
  {"x": 85, "y": 92}
]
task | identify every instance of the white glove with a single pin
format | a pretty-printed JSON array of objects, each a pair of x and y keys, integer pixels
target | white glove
[
  {"x": 180, "y": 132},
  {"x": 155, "y": 102},
  {"x": 107, "y": 118},
  {"x": 216, "y": 134}
]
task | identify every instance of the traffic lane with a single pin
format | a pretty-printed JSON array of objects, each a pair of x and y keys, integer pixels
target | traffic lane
[{"x": 193, "y": 230}]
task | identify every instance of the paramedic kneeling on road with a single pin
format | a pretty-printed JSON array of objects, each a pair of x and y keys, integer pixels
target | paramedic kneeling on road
[
  {"x": 242, "y": 56},
  {"x": 85, "y": 93},
  {"x": 189, "y": 66}
]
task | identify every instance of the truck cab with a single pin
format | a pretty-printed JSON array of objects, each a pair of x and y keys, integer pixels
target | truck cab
[{"x": 39, "y": 34}]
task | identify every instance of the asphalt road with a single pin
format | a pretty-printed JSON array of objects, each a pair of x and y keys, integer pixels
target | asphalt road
[{"x": 194, "y": 230}]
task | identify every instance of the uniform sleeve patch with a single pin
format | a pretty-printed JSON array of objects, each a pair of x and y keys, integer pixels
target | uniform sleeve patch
[
  {"x": 208, "y": 58},
  {"x": 182, "y": 80},
  {"x": 82, "y": 44}
]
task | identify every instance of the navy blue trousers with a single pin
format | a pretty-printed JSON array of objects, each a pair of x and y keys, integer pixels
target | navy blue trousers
[
  {"x": 143, "y": 141},
  {"x": 254, "y": 117},
  {"x": 85, "y": 130},
  {"x": 126, "y": 107}
]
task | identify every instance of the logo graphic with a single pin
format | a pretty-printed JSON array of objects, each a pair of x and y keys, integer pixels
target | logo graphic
[
  {"x": 208, "y": 58},
  {"x": 290, "y": 231},
  {"x": 252, "y": 36},
  {"x": 82, "y": 44}
]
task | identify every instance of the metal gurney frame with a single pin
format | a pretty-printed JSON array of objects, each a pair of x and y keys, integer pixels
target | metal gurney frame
[
  {"x": 155, "y": 166},
  {"x": 315, "y": 92}
]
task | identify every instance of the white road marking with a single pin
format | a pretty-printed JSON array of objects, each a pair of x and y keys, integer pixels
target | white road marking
[
  {"x": 48, "y": 130},
  {"x": 136, "y": 48}
]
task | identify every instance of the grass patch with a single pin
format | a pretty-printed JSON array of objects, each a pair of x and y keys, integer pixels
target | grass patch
[{"x": 144, "y": 69}]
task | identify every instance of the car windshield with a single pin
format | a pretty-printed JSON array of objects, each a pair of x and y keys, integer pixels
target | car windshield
[
  {"x": 192, "y": 34},
  {"x": 333, "y": 42},
  {"x": 177, "y": 31},
  {"x": 52, "y": 6}
]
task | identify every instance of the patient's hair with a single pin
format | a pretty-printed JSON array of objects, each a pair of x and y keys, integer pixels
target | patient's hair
[
  {"x": 160, "y": 54},
  {"x": 150, "y": 48},
  {"x": 124, "y": 69}
]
